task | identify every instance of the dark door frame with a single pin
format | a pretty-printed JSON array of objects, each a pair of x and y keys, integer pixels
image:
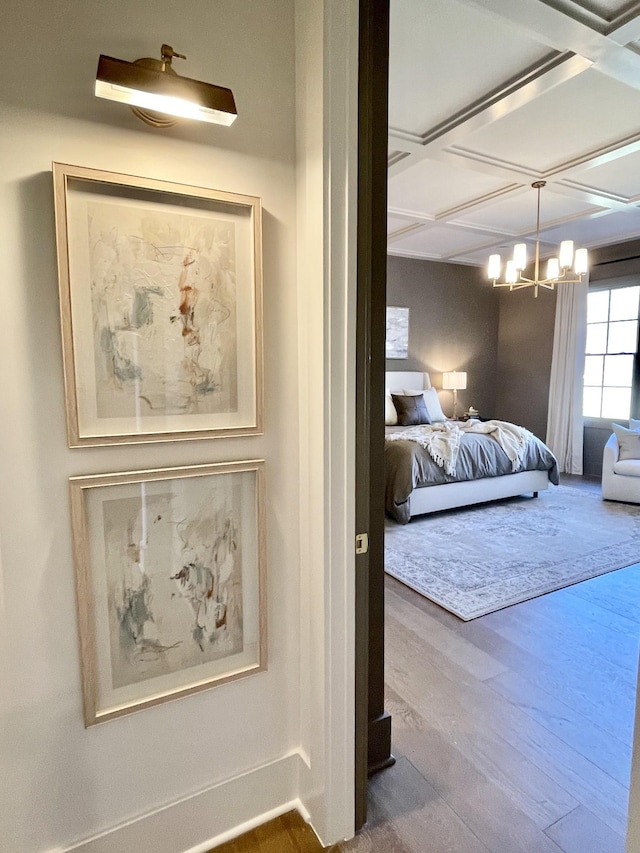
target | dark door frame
[{"x": 373, "y": 723}]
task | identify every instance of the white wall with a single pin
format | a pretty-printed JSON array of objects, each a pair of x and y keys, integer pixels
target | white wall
[{"x": 193, "y": 769}]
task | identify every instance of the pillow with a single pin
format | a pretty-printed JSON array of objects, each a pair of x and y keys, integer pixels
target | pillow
[
  {"x": 434, "y": 409},
  {"x": 390, "y": 414},
  {"x": 633, "y": 424},
  {"x": 628, "y": 442},
  {"x": 411, "y": 409}
]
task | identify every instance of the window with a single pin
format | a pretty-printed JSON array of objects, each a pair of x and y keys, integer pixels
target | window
[{"x": 612, "y": 345}]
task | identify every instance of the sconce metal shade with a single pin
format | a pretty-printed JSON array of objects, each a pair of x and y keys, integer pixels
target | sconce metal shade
[{"x": 163, "y": 91}]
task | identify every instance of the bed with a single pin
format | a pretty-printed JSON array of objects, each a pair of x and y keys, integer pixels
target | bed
[{"x": 416, "y": 485}]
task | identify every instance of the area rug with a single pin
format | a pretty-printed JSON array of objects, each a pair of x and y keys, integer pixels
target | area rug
[{"x": 478, "y": 559}]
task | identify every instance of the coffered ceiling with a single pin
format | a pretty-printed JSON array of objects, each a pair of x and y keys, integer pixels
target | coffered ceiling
[{"x": 487, "y": 96}]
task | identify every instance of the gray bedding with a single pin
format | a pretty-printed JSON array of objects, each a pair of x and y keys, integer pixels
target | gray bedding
[{"x": 409, "y": 466}]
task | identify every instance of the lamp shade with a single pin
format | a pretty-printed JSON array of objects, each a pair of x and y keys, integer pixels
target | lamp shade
[
  {"x": 566, "y": 254},
  {"x": 456, "y": 380},
  {"x": 581, "y": 261},
  {"x": 520, "y": 256},
  {"x": 493, "y": 269},
  {"x": 553, "y": 268}
]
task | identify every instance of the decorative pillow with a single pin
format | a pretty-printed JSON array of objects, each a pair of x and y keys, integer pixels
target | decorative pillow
[
  {"x": 390, "y": 414},
  {"x": 633, "y": 424},
  {"x": 628, "y": 442},
  {"x": 411, "y": 409},
  {"x": 434, "y": 409}
]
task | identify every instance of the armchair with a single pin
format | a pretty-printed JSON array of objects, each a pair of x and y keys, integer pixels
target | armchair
[{"x": 620, "y": 478}]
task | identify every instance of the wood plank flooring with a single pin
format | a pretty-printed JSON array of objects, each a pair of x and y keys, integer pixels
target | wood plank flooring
[
  {"x": 536, "y": 756},
  {"x": 286, "y": 834},
  {"x": 513, "y": 732}
]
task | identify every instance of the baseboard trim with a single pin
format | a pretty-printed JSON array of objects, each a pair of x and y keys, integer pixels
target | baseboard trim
[{"x": 208, "y": 818}]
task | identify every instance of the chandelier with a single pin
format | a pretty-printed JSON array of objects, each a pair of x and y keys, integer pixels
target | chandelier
[{"x": 559, "y": 270}]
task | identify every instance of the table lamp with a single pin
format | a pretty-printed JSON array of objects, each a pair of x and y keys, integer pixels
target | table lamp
[{"x": 455, "y": 380}]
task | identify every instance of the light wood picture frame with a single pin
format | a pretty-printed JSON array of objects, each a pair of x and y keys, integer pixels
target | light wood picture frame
[
  {"x": 161, "y": 308},
  {"x": 170, "y": 581}
]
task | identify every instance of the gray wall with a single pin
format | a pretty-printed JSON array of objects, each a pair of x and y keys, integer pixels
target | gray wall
[
  {"x": 453, "y": 325},
  {"x": 525, "y": 348},
  {"x": 458, "y": 322}
]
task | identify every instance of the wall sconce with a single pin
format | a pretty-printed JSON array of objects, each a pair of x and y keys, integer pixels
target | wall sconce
[{"x": 155, "y": 91}]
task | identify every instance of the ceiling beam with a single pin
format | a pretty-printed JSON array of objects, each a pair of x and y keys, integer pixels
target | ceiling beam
[
  {"x": 491, "y": 234},
  {"x": 591, "y": 195},
  {"x": 627, "y": 32},
  {"x": 425, "y": 222},
  {"x": 555, "y": 29},
  {"x": 482, "y": 113}
]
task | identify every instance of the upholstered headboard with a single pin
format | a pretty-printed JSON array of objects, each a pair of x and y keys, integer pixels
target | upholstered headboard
[{"x": 398, "y": 380}]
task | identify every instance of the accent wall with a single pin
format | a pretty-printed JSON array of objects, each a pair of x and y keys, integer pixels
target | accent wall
[
  {"x": 457, "y": 321},
  {"x": 453, "y": 325}
]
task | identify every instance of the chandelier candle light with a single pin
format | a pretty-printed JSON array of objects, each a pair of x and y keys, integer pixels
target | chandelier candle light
[{"x": 559, "y": 270}]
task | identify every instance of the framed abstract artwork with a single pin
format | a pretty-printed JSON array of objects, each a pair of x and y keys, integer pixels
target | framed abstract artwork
[
  {"x": 170, "y": 579},
  {"x": 397, "y": 338},
  {"x": 161, "y": 308}
]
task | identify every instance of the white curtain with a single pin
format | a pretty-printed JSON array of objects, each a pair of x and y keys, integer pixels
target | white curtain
[{"x": 564, "y": 419}]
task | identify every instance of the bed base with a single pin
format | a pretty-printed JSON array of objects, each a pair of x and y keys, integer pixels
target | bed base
[{"x": 452, "y": 495}]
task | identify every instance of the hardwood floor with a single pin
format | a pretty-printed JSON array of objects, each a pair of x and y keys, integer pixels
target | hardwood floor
[
  {"x": 520, "y": 721},
  {"x": 286, "y": 834},
  {"x": 512, "y": 732}
]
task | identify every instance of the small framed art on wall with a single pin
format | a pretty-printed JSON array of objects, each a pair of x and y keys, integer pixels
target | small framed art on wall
[
  {"x": 170, "y": 579},
  {"x": 161, "y": 308}
]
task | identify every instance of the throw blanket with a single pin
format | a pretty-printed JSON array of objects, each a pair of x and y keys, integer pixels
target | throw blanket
[{"x": 442, "y": 440}]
